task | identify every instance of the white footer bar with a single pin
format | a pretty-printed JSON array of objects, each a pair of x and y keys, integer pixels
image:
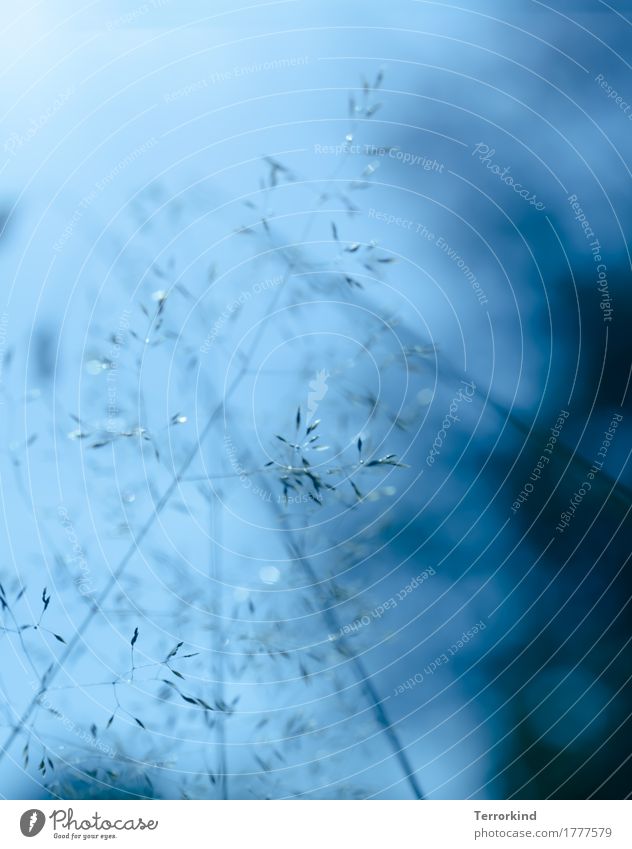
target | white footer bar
[{"x": 317, "y": 824}]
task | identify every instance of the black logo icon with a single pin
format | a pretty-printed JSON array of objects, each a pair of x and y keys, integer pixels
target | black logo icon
[{"x": 32, "y": 822}]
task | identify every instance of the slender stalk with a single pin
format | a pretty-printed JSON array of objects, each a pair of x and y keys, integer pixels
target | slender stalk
[
  {"x": 334, "y": 626},
  {"x": 216, "y": 589}
]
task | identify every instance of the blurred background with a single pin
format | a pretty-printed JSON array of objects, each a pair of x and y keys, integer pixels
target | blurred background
[{"x": 314, "y": 384}]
